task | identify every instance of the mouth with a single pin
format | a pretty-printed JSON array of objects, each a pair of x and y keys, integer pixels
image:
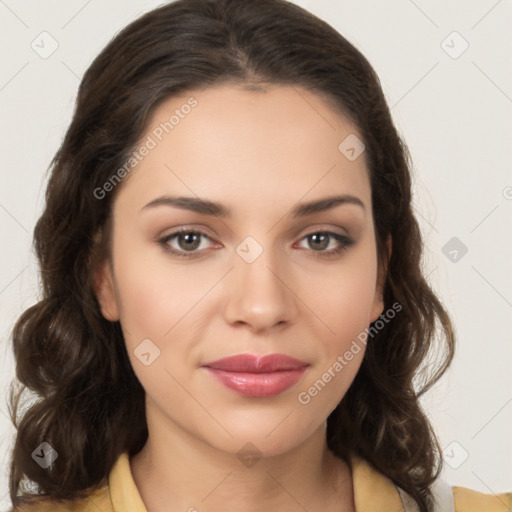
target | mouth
[{"x": 255, "y": 376}]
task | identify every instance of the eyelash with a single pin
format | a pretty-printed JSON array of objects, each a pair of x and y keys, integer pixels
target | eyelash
[{"x": 345, "y": 242}]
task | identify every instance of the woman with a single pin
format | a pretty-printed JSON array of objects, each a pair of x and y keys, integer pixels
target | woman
[{"x": 233, "y": 309}]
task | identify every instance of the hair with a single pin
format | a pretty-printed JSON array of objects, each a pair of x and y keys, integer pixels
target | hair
[{"x": 88, "y": 404}]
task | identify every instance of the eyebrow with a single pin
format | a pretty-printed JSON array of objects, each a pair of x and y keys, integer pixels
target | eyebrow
[{"x": 207, "y": 207}]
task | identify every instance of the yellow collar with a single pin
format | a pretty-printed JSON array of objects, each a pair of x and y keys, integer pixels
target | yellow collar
[{"x": 372, "y": 490}]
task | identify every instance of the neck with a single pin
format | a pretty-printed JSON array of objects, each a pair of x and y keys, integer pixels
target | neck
[{"x": 177, "y": 471}]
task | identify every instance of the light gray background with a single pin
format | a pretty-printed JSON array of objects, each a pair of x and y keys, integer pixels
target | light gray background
[{"x": 455, "y": 115}]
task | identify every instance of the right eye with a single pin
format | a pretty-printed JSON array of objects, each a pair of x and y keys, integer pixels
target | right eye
[{"x": 187, "y": 242}]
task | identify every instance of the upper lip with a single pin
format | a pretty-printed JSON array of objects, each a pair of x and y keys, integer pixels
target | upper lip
[{"x": 256, "y": 364}]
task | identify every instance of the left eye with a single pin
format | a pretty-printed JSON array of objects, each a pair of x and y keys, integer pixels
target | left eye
[{"x": 322, "y": 239}]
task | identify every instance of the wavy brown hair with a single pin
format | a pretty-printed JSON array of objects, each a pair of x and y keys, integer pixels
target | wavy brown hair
[{"x": 88, "y": 404}]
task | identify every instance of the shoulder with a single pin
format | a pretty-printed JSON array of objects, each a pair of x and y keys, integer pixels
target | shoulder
[
  {"x": 469, "y": 500},
  {"x": 97, "y": 500},
  {"x": 117, "y": 493},
  {"x": 375, "y": 491}
]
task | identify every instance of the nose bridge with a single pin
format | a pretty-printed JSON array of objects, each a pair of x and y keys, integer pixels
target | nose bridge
[{"x": 259, "y": 294}]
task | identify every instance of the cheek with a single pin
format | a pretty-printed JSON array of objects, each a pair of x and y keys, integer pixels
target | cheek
[
  {"x": 155, "y": 306},
  {"x": 343, "y": 303},
  {"x": 151, "y": 299},
  {"x": 343, "y": 295}
]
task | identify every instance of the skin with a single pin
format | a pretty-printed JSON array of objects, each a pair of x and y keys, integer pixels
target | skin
[{"x": 258, "y": 153}]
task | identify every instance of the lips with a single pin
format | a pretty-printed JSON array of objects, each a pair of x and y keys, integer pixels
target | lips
[
  {"x": 255, "y": 376},
  {"x": 254, "y": 364}
]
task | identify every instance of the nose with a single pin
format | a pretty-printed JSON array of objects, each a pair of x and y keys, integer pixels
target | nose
[{"x": 260, "y": 295}]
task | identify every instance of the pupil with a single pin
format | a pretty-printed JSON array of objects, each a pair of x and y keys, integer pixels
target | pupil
[
  {"x": 189, "y": 239},
  {"x": 322, "y": 238}
]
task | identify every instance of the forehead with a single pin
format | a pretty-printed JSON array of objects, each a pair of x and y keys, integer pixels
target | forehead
[{"x": 281, "y": 144}]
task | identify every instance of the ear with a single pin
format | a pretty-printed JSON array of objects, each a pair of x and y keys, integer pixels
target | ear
[
  {"x": 104, "y": 287},
  {"x": 378, "y": 304}
]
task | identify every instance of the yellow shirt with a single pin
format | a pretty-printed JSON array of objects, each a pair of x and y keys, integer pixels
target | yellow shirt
[{"x": 373, "y": 492}]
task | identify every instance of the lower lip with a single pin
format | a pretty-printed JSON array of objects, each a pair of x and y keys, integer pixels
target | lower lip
[{"x": 258, "y": 384}]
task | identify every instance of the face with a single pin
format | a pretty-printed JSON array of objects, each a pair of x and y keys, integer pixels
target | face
[{"x": 260, "y": 275}]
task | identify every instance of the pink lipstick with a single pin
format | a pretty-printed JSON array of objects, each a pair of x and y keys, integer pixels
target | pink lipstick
[{"x": 255, "y": 376}]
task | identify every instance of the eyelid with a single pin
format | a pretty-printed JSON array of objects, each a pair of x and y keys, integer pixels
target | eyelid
[{"x": 323, "y": 228}]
